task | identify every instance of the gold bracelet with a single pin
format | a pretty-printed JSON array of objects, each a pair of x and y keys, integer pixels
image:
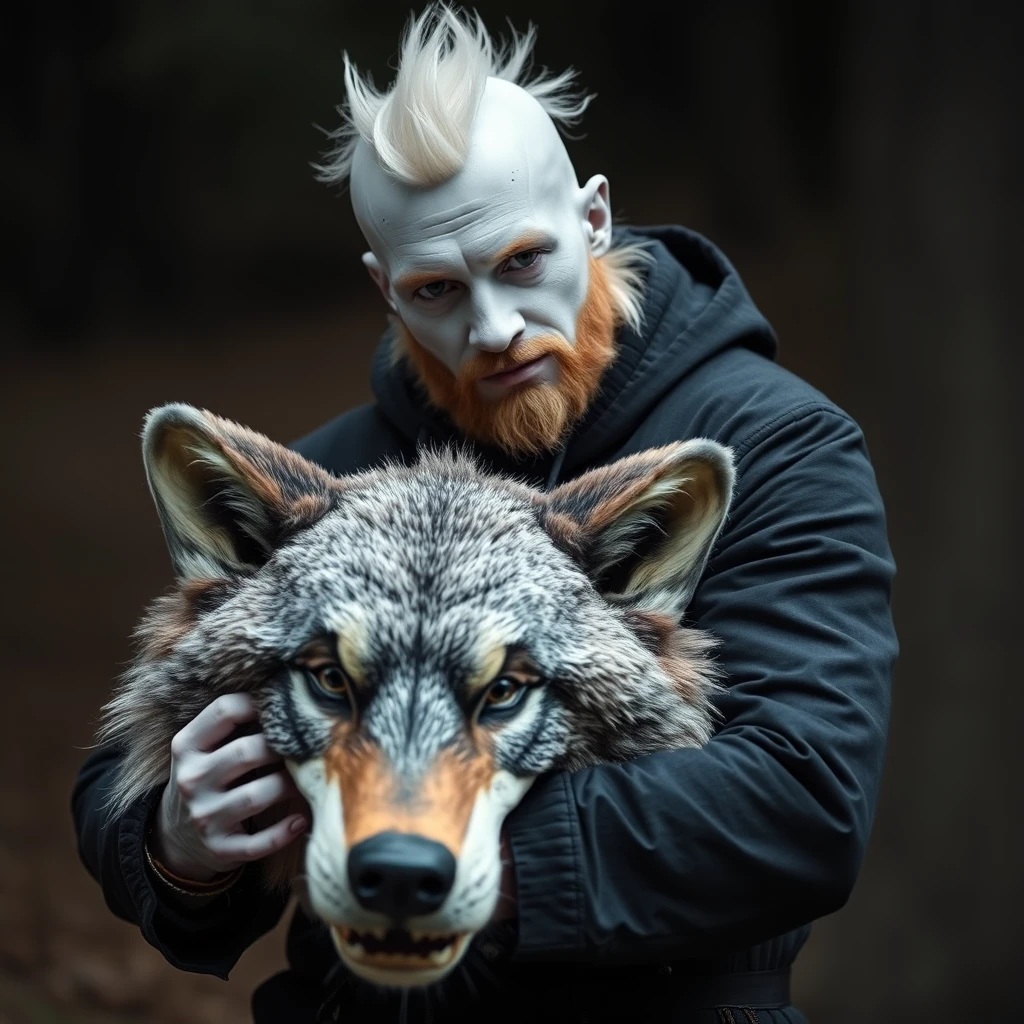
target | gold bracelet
[{"x": 185, "y": 886}]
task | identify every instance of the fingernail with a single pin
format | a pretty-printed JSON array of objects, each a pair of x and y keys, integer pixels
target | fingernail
[{"x": 298, "y": 825}]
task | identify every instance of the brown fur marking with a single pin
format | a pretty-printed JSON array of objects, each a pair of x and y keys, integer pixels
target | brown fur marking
[
  {"x": 685, "y": 661},
  {"x": 519, "y": 666},
  {"x": 439, "y": 810},
  {"x": 174, "y": 615},
  {"x": 565, "y": 532},
  {"x": 599, "y": 495},
  {"x": 317, "y": 653},
  {"x": 298, "y": 490},
  {"x": 652, "y": 629},
  {"x": 680, "y": 651}
]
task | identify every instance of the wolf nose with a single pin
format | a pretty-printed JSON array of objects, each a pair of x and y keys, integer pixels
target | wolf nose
[{"x": 400, "y": 875}]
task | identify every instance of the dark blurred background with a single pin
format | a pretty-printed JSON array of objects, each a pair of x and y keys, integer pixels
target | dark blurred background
[{"x": 164, "y": 239}]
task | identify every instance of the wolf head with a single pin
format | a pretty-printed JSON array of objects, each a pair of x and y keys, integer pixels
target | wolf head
[{"x": 422, "y": 643}]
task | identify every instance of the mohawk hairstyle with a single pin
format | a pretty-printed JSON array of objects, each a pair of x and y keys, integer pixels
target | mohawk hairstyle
[{"x": 420, "y": 128}]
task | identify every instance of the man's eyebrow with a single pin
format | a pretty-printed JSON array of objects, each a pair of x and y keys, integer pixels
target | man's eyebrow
[
  {"x": 531, "y": 240},
  {"x": 416, "y": 279}
]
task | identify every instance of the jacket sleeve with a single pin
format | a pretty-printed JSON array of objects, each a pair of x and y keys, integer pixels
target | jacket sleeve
[
  {"x": 208, "y": 940},
  {"x": 688, "y": 852}
]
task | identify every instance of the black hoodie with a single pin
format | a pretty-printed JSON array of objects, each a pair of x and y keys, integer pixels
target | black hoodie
[{"x": 681, "y": 863}]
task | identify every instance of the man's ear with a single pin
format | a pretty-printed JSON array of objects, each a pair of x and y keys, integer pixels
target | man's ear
[
  {"x": 380, "y": 278},
  {"x": 596, "y": 213},
  {"x": 643, "y": 527},
  {"x": 227, "y": 496}
]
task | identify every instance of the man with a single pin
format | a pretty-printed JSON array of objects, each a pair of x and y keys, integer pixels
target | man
[{"x": 657, "y": 890}]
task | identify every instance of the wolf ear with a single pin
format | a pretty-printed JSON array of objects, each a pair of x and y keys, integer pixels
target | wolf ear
[
  {"x": 226, "y": 496},
  {"x": 643, "y": 527}
]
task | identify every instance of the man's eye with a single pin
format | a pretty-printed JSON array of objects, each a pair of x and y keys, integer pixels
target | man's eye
[
  {"x": 524, "y": 260},
  {"x": 434, "y": 290}
]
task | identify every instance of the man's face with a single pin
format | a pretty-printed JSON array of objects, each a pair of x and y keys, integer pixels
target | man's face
[{"x": 494, "y": 258}]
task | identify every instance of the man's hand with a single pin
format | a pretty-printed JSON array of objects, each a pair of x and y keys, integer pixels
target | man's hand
[{"x": 199, "y": 831}]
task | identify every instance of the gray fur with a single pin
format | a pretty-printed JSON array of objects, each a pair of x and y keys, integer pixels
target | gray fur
[{"x": 418, "y": 561}]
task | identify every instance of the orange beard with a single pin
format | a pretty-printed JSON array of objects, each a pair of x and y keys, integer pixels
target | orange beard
[{"x": 533, "y": 417}]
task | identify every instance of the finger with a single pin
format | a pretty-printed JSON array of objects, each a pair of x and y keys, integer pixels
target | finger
[
  {"x": 215, "y": 723},
  {"x": 235, "y": 759},
  {"x": 253, "y": 798},
  {"x": 263, "y": 844}
]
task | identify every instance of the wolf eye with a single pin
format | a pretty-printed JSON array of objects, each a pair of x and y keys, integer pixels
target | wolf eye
[
  {"x": 331, "y": 680},
  {"x": 504, "y": 693}
]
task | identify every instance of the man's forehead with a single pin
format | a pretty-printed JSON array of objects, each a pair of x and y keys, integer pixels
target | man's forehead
[
  {"x": 517, "y": 180},
  {"x": 476, "y": 224}
]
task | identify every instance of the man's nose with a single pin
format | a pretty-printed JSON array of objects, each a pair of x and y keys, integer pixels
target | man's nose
[
  {"x": 494, "y": 328},
  {"x": 400, "y": 875}
]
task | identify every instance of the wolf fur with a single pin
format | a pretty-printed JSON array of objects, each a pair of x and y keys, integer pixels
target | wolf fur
[{"x": 422, "y": 585}]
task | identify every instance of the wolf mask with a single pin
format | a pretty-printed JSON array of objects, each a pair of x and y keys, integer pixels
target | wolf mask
[{"x": 422, "y": 642}]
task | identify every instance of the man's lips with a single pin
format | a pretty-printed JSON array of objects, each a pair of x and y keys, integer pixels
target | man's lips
[{"x": 496, "y": 383}]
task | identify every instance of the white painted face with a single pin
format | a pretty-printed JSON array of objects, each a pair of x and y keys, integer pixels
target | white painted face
[{"x": 496, "y": 254}]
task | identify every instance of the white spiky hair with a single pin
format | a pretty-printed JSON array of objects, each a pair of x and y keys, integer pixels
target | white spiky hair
[{"x": 420, "y": 128}]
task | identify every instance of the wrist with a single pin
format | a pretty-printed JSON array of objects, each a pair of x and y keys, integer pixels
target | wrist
[
  {"x": 194, "y": 884},
  {"x": 174, "y": 866}
]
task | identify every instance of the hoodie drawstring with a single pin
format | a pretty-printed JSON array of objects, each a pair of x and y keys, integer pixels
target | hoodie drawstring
[{"x": 556, "y": 467}]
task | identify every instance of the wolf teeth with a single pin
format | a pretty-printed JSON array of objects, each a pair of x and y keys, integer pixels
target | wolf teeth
[
  {"x": 430, "y": 936},
  {"x": 438, "y": 958},
  {"x": 441, "y": 957}
]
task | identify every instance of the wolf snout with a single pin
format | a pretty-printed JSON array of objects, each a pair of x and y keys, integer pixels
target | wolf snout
[{"x": 400, "y": 875}]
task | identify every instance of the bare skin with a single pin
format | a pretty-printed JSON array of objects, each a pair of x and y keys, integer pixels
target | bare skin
[{"x": 200, "y": 829}]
